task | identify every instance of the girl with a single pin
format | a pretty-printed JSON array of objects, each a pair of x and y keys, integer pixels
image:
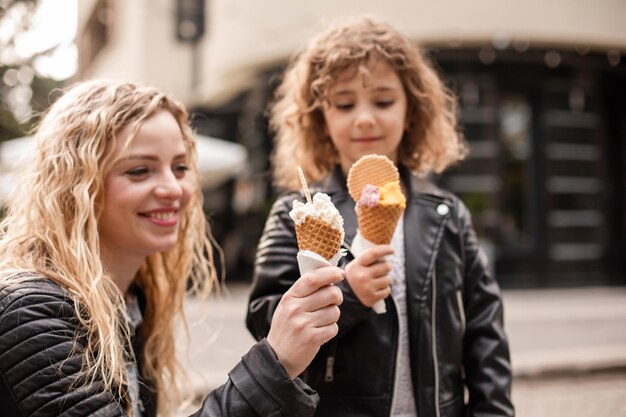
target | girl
[
  {"x": 96, "y": 251},
  {"x": 363, "y": 88}
]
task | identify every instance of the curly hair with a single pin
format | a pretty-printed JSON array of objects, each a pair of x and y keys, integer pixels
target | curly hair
[
  {"x": 431, "y": 142},
  {"x": 51, "y": 230}
]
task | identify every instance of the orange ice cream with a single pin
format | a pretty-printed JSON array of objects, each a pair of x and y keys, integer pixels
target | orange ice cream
[{"x": 391, "y": 195}]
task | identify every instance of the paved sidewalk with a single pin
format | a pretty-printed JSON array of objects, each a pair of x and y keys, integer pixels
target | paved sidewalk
[
  {"x": 582, "y": 395},
  {"x": 551, "y": 331},
  {"x": 566, "y": 330},
  {"x": 218, "y": 337}
]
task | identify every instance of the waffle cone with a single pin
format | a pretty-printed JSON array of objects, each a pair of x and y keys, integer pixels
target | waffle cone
[
  {"x": 318, "y": 236},
  {"x": 377, "y": 224},
  {"x": 373, "y": 169}
]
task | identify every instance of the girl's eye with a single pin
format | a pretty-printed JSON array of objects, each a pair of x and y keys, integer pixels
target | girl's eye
[
  {"x": 344, "y": 106},
  {"x": 383, "y": 104}
]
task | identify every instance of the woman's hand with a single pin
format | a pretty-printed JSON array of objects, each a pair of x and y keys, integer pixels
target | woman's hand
[
  {"x": 306, "y": 318},
  {"x": 368, "y": 275}
]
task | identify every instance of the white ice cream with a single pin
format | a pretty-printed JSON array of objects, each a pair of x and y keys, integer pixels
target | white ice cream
[{"x": 322, "y": 208}]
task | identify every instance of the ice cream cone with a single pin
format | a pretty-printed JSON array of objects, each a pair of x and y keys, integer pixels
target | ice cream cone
[
  {"x": 374, "y": 183},
  {"x": 319, "y": 226},
  {"x": 377, "y": 224},
  {"x": 318, "y": 236}
]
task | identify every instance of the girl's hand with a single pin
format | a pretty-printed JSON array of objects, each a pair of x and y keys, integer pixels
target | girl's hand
[
  {"x": 368, "y": 275},
  {"x": 306, "y": 318}
]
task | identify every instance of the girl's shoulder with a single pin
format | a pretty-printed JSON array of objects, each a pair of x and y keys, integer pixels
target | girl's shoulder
[
  {"x": 426, "y": 188},
  {"x": 443, "y": 201}
]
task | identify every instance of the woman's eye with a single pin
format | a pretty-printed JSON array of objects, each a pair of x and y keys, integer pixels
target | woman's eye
[{"x": 181, "y": 169}]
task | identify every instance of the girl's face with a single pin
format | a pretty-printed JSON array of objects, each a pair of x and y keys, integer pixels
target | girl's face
[
  {"x": 366, "y": 115},
  {"x": 146, "y": 192}
]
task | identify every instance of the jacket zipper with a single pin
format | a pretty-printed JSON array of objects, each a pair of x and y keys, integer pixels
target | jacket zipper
[
  {"x": 459, "y": 301},
  {"x": 433, "y": 324},
  {"x": 329, "y": 375},
  {"x": 395, "y": 375},
  {"x": 330, "y": 364}
]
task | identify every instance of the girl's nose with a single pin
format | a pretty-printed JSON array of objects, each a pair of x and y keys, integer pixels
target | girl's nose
[
  {"x": 364, "y": 119},
  {"x": 169, "y": 187}
]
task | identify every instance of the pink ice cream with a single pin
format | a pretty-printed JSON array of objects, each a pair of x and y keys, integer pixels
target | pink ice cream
[{"x": 369, "y": 196}]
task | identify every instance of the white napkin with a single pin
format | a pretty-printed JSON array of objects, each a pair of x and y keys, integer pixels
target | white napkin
[
  {"x": 360, "y": 245},
  {"x": 310, "y": 261}
]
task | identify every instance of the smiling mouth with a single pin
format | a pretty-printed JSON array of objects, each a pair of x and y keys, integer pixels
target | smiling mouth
[
  {"x": 167, "y": 215},
  {"x": 165, "y": 218}
]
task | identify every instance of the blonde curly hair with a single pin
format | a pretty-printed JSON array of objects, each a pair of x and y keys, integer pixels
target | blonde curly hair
[
  {"x": 51, "y": 230},
  {"x": 431, "y": 142}
]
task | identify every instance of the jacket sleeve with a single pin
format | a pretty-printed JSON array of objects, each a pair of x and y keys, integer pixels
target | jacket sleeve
[
  {"x": 39, "y": 362},
  {"x": 275, "y": 269},
  {"x": 487, "y": 362},
  {"x": 260, "y": 386}
]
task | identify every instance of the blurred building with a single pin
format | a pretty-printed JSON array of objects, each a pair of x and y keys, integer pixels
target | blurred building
[{"x": 542, "y": 87}]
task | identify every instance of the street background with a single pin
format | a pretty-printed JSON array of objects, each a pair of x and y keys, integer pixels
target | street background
[{"x": 568, "y": 347}]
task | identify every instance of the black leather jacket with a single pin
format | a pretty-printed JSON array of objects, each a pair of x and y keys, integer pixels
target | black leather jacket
[
  {"x": 454, "y": 310},
  {"x": 38, "y": 367}
]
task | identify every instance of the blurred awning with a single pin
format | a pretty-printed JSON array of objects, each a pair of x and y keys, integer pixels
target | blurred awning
[{"x": 218, "y": 161}]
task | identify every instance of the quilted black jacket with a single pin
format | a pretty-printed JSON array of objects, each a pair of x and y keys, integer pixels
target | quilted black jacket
[
  {"x": 454, "y": 309},
  {"x": 39, "y": 367}
]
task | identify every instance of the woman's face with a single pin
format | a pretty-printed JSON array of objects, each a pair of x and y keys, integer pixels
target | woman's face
[
  {"x": 146, "y": 191},
  {"x": 366, "y": 115}
]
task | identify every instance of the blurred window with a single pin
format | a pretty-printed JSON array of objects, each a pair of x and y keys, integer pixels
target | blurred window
[{"x": 515, "y": 126}]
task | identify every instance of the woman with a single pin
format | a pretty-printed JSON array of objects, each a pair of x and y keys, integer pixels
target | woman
[{"x": 98, "y": 245}]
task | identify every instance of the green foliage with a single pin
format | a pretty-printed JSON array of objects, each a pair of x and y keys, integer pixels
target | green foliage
[{"x": 24, "y": 94}]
